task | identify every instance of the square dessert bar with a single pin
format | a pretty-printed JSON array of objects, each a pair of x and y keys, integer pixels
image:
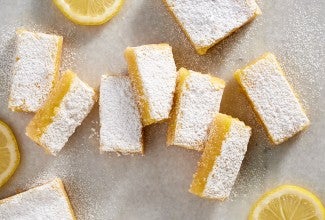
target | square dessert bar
[
  {"x": 221, "y": 159},
  {"x": 36, "y": 69},
  {"x": 153, "y": 75},
  {"x": 197, "y": 101},
  {"x": 272, "y": 98},
  {"x": 120, "y": 121},
  {"x": 206, "y": 22},
  {"x": 67, "y": 106},
  {"x": 49, "y": 201}
]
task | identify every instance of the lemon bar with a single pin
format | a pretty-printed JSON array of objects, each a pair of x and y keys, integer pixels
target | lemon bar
[
  {"x": 272, "y": 98},
  {"x": 49, "y": 201},
  {"x": 197, "y": 101},
  {"x": 120, "y": 121},
  {"x": 153, "y": 74},
  {"x": 69, "y": 103},
  {"x": 206, "y": 22},
  {"x": 221, "y": 159},
  {"x": 36, "y": 69}
]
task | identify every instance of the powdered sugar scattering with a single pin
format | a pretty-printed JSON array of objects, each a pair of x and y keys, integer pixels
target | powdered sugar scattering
[
  {"x": 293, "y": 30},
  {"x": 93, "y": 133}
]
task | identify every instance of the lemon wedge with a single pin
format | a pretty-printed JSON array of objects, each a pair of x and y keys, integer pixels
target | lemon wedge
[
  {"x": 89, "y": 12},
  {"x": 288, "y": 202},
  {"x": 9, "y": 153}
]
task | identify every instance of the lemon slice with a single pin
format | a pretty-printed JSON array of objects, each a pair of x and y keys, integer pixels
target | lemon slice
[
  {"x": 288, "y": 202},
  {"x": 89, "y": 12},
  {"x": 9, "y": 153}
]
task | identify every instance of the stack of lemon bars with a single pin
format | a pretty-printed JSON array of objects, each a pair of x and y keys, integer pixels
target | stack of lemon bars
[{"x": 153, "y": 91}]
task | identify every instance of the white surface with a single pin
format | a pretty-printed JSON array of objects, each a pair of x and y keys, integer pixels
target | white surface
[
  {"x": 155, "y": 186},
  {"x": 120, "y": 122},
  {"x": 44, "y": 202}
]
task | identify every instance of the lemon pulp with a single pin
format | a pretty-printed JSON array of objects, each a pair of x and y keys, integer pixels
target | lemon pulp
[
  {"x": 288, "y": 203},
  {"x": 9, "y": 153},
  {"x": 89, "y": 12}
]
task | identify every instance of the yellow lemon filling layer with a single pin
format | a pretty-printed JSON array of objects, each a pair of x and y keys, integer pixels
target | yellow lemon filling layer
[
  {"x": 137, "y": 84},
  {"x": 218, "y": 133},
  {"x": 45, "y": 115}
]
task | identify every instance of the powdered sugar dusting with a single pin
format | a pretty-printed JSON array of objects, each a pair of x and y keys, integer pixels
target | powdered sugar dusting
[
  {"x": 35, "y": 69},
  {"x": 199, "y": 103},
  {"x": 292, "y": 29},
  {"x": 48, "y": 201},
  {"x": 93, "y": 133},
  {"x": 227, "y": 165},
  {"x": 121, "y": 128},
  {"x": 157, "y": 70},
  {"x": 208, "y": 21},
  {"x": 273, "y": 99},
  {"x": 7, "y": 51},
  {"x": 73, "y": 109}
]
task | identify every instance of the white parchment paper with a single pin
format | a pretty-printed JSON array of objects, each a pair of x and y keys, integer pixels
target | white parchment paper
[{"x": 155, "y": 186}]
